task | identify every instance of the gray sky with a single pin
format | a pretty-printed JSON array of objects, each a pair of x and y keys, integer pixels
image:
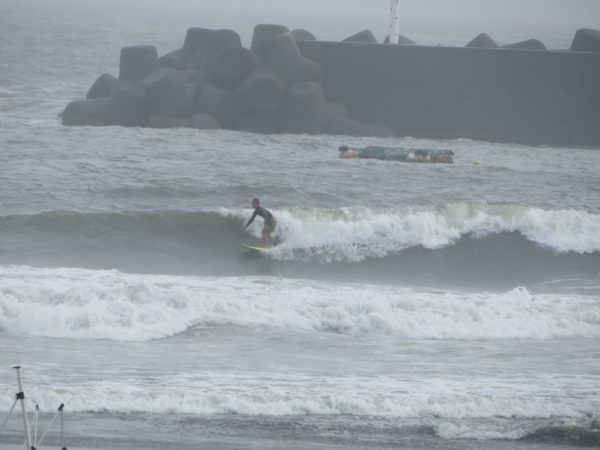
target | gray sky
[
  {"x": 530, "y": 11},
  {"x": 507, "y": 20},
  {"x": 549, "y": 11},
  {"x": 430, "y": 22}
]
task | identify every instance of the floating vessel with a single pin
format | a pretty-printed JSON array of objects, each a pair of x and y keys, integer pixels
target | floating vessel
[{"x": 398, "y": 154}]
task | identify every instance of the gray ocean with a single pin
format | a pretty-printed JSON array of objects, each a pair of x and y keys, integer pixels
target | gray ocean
[{"x": 408, "y": 306}]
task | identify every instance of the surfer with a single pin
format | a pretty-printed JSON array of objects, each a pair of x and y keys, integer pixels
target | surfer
[{"x": 270, "y": 222}]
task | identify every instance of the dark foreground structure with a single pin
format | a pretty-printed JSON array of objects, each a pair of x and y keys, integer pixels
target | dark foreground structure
[{"x": 288, "y": 82}]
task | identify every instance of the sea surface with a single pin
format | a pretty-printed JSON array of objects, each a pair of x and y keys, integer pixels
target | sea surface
[{"x": 408, "y": 306}]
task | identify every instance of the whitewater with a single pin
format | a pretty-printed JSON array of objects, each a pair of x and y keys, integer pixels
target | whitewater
[
  {"x": 80, "y": 304},
  {"x": 407, "y": 306}
]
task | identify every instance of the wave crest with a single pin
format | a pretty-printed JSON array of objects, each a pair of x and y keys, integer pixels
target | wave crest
[
  {"x": 77, "y": 303},
  {"x": 354, "y": 234}
]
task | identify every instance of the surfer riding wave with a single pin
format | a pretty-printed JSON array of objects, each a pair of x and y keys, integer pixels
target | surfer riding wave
[{"x": 269, "y": 226}]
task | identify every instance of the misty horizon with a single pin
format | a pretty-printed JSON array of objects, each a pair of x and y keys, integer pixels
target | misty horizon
[{"x": 429, "y": 22}]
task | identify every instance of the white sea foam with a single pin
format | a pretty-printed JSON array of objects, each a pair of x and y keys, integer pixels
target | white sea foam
[
  {"x": 77, "y": 303},
  {"x": 461, "y": 430},
  {"x": 353, "y": 234},
  {"x": 278, "y": 394}
]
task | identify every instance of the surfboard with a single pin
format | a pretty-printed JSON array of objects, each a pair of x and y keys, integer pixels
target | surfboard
[{"x": 256, "y": 248}]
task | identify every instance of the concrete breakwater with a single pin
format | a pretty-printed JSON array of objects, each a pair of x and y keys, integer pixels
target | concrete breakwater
[{"x": 288, "y": 82}]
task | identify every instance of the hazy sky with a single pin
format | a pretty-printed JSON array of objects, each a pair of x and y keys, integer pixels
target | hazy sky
[
  {"x": 540, "y": 11},
  {"x": 432, "y": 22},
  {"x": 516, "y": 18},
  {"x": 517, "y": 10},
  {"x": 549, "y": 11}
]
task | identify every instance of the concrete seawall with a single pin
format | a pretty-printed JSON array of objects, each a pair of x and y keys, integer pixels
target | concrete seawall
[
  {"x": 287, "y": 82},
  {"x": 502, "y": 95}
]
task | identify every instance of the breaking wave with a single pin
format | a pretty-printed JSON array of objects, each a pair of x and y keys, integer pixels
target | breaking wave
[
  {"x": 457, "y": 409},
  {"x": 353, "y": 234},
  {"x": 307, "y": 234},
  {"x": 77, "y": 303}
]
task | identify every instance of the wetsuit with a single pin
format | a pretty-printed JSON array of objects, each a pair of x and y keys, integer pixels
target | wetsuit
[{"x": 266, "y": 215}]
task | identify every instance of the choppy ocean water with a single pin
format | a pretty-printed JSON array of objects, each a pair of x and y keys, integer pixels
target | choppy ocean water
[{"x": 408, "y": 306}]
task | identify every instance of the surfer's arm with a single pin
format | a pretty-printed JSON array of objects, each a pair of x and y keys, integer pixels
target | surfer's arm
[{"x": 251, "y": 219}]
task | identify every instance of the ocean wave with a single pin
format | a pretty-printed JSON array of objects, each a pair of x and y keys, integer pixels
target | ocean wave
[
  {"x": 307, "y": 234},
  {"x": 88, "y": 304},
  {"x": 572, "y": 431},
  {"x": 353, "y": 234},
  {"x": 278, "y": 394}
]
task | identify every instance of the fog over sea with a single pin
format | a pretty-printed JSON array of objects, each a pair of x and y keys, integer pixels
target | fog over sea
[{"x": 408, "y": 306}]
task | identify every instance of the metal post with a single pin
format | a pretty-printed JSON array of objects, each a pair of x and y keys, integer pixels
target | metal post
[
  {"x": 8, "y": 415},
  {"x": 21, "y": 397},
  {"x": 35, "y": 424},
  {"x": 62, "y": 427},
  {"x": 394, "y": 22}
]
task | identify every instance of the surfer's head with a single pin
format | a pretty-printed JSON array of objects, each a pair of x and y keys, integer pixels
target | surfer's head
[
  {"x": 343, "y": 148},
  {"x": 255, "y": 203}
]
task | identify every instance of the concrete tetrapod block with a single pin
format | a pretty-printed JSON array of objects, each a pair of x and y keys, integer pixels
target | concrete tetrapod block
[
  {"x": 94, "y": 111},
  {"x": 229, "y": 111},
  {"x": 157, "y": 121},
  {"x": 103, "y": 86},
  {"x": 306, "y": 108},
  {"x": 234, "y": 65},
  {"x": 166, "y": 92},
  {"x": 173, "y": 60},
  {"x": 402, "y": 40},
  {"x": 188, "y": 75},
  {"x": 302, "y": 70},
  {"x": 203, "y": 121},
  {"x": 209, "y": 98},
  {"x": 337, "y": 109},
  {"x": 344, "y": 126},
  {"x": 529, "y": 44},
  {"x": 262, "y": 91},
  {"x": 303, "y": 35},
  {"x": 281, "y": 55},
  {"x": 217, "y": 41},
  {"x": 128, "y": 106},
  {"x": 482, "y": 41},
  {"x": 278, "y": 50},
  {"x": 365, "y": 36},
  {"x": 332, "y": 111},
  {"x": 195, "y": 40},
  {"x": 192, "y": 92},
  {"x": 265, "y": 31},
  {"x": 196, "y": 61},
  {"x": 586, "y": 40},
  {"x": 137, "y": 61},
  {"x": 218, "y": 103}
]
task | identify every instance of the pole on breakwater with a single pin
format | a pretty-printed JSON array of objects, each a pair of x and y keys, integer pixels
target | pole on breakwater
[{"x": 394, "y": 22}]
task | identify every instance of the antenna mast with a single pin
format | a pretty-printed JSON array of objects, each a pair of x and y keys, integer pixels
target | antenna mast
[{"x": 394, "y": 21}]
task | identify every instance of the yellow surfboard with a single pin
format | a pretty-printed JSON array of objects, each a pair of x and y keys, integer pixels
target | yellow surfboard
[{"x": 256, "y": 248}]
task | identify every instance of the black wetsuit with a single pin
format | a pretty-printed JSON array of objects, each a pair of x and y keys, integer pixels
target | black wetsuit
[{"x": 265, "y": 214}]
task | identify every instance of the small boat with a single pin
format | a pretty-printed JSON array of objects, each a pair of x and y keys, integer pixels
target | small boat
[{"x": 398, "y": 154}]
